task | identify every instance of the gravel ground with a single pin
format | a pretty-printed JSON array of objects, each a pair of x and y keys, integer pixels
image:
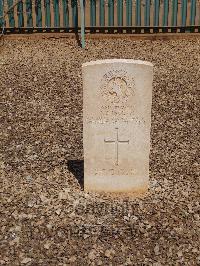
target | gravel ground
[{"x": 46, "y": 218}]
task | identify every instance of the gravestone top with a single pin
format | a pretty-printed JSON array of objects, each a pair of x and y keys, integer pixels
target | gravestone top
[
  {"x": 108, "y": 61},
  {"x": 116, "y": 124}
]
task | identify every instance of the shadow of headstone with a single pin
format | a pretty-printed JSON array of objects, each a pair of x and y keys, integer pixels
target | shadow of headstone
[{"x": 76, "y": 167}]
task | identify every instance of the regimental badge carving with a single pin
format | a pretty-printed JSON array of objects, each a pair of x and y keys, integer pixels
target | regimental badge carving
[
  {"x": 117, "y": 90},
  {"x": 117, "y": 87}
]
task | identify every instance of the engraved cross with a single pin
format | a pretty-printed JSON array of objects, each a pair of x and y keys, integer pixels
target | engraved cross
[{"x": 116, "y": 142}]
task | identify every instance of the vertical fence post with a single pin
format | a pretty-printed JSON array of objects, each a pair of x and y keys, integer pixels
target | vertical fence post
[
  {"x": 1, "y": 13},
  {"x": 56, "y": 14},
  {"x": 29, "y": 13},
  {"x": 82, "y": 4},
  {"x": 183, "y": 13},
  {"x": 11, "y": 14},
  {"x": 128, "y": 12},
  {"x": 92, "y": 12},
  {"x": 192, "y": 12},
  {"x": 147, "y": 13},
  {"x": 20, "y": 14},
  {"x": 120, "y": 12},
  {"x": 74, "y": 5},
  {"x": 101, "y": 13},
  {"x": 138, "y": 13},
  {"x": 199, "y": 15},
  {"x": 165, "y": 13},
  {"x": 65, "y": 13},
  {"x": 156, "y": 13},
  {"x": 47, "y": 13},
  {"x": 110, "y": 12},
  {"x": 38, "y": 11},
  {"x": 174, "y": 12}
]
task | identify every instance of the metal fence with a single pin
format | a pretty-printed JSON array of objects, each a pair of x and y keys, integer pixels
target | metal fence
[{"x": 113, "y": 16}]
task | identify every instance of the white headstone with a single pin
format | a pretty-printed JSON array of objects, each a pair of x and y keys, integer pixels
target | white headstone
[{"x": 117, "y": 96}]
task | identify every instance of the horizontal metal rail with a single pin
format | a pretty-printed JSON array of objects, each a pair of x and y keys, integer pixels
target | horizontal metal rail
[{"x": 106, "y": 29}]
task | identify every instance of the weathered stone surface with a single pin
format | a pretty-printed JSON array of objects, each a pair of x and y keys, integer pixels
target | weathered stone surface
[{"x": 117, "y": 97}]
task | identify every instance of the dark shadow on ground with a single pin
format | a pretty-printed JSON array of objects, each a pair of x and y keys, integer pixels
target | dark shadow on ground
[{"x": 76, "y": 167}]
